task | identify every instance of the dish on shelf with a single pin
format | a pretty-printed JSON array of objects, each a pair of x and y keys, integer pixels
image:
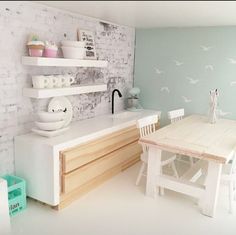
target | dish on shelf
[
  {"x": 73, "y": 52},
  {"x": 50, "y": 133},
  {"x": 50, "y": 49},
  {"x": 36, "y": 48},
  {"x": 61, "y": 104},
  {"x": 73, "y": 44},
  {"x": 50, "y": 126},
  {"x": 38, "y": 81},
  {"x": 50, "y": 116}
]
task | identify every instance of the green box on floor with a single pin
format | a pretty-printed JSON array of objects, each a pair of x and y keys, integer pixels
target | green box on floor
[{"x": 16, "y": 194}]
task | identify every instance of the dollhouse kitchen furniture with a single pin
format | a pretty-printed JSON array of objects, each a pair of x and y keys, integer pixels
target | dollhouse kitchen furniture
[
  {"x": 58, "y": 170},
  {"x": 192, "y": 136}
]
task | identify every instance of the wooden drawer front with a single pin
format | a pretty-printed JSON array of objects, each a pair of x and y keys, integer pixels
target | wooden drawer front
[
  {"x": 86, "y": 173},
  {"x": 83, "y": 154}
]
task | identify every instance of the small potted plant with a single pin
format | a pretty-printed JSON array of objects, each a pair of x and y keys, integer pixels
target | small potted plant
[{"x": 35, "y": 46}]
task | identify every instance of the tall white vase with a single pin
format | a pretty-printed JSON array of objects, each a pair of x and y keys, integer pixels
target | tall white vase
[
  {"x": 213, "y": 105},
  {"x": 4, "y": 211}
]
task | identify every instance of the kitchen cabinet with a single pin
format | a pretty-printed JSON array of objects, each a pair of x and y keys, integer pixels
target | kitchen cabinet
[
  {"x": 94, "y": 162},
  {"x": 60, "y": 169}
]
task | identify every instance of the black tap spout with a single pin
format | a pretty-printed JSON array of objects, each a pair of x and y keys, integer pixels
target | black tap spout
[{"x": 113, "y": 92}]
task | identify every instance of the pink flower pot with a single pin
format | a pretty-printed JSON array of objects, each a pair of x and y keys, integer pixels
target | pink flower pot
[
  {"x": 50, "y": 53},
  {"x": 36, "y": 52}
]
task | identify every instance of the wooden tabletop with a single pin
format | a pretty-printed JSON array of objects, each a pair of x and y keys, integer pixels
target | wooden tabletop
[{"x": 196, "y": 137}]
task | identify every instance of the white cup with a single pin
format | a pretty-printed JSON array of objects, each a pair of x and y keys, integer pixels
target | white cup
[
  {"x": 59, "y": 81},
  {"x": 69, "y": 79},
  {"x": 39, "y": 81},
  {"x": 52, "y": 81}
]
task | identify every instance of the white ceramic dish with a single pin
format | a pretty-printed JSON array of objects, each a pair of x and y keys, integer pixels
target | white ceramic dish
[
  {"x": 51, "y": 116},
  {"x": 50, "y": 126},
  {"x": 61, "y": 104},
  {"x": 73, "y": 52},
  {"x": 50, "y": 133},
  {"x": 73, "y": 44}
]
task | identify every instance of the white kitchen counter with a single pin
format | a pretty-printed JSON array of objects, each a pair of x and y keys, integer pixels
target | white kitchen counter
[
  {"x": 89, "y": 129},
  {"x": 37, "y": 157}
]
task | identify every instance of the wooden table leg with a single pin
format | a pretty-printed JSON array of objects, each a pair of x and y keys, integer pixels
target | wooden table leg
[
  {"x": 153, "y": 169},
  {"x": 208, "y": 201}
]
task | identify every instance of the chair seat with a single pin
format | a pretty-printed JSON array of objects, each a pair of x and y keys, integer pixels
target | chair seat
[{"x": 166, "y": 157}]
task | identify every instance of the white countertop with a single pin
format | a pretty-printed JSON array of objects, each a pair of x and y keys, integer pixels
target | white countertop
[{"x": 89, "y": 129}]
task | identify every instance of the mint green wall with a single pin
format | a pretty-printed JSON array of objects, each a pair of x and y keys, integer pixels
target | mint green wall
[{"x": 207, "y": 57}]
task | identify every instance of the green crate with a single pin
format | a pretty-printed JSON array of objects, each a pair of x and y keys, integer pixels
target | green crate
[{"x": 16, "y": 194}]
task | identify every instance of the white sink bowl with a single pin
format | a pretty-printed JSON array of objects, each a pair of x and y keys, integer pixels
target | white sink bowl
[
  {"x": 50, "y": 126},
  {"x": 51, "y": 116},
  {"x": 124, "y": 115}
]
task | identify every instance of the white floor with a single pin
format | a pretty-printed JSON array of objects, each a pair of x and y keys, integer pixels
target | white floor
[{"x": 118, "y": 207}]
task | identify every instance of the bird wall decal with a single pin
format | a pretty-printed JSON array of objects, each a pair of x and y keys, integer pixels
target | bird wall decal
[
  {"x": 158, "y": 71},
  {"x": 232, "y": 61},
  {"x": 178, "y": 63},
  {"x": 209, "y": 67},
  {"x": 165, "y": 88},
  {"x": 186, "y": 100},
  {"x": 233, "y": 83},
  {"x": 206, "y": 48},
  {"x": 192, "y": 81}
]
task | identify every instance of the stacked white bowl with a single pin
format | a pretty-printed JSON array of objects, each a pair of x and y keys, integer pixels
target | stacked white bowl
[
  {"x": 50, "y": 121},
  {"x": 73, "y": 49}
]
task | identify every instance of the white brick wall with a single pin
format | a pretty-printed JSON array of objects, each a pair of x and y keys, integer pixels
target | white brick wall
[{"x": 17, "y": 20}]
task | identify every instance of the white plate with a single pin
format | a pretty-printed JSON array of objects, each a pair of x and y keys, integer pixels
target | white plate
[
  {"x": 50, "y": 133},
  {"x": 61, "y": 104}
]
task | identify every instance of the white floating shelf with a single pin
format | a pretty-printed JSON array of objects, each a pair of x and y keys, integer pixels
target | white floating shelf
[
  {"x": 62, "y": 62},
  {"x": 73, "y": 90}
]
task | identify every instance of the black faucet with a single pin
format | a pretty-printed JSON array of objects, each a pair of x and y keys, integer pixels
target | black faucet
[{"x": 113, "y": 92}]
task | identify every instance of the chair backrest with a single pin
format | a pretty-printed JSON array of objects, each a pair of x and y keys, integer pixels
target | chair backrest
[
  {"x": 147, "y": 126},
  {"x": 176, "y": 115}
]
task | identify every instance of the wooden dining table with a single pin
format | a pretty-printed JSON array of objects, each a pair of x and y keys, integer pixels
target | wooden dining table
[{"x": 192, "y": 136}]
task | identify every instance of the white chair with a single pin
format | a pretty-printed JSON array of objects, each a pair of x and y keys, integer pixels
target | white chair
[
  {"x": 177, "y": 115},
  {"x": 228, "y": 177},
  {"x": 147, "y": 126}
]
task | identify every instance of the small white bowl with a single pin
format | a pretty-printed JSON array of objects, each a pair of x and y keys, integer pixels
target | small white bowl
[
  {"x": 50, "y": 126},
  {"x": 77, "y": 44},
  {"x": 73, "y": 52},
  {"x": 51, "y": 116}
]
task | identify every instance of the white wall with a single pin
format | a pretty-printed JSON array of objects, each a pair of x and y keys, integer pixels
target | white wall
[{"x": 17, "y": 20}]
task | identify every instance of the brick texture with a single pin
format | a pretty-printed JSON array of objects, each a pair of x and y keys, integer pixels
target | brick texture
[{"x": 18, "y": 20}]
